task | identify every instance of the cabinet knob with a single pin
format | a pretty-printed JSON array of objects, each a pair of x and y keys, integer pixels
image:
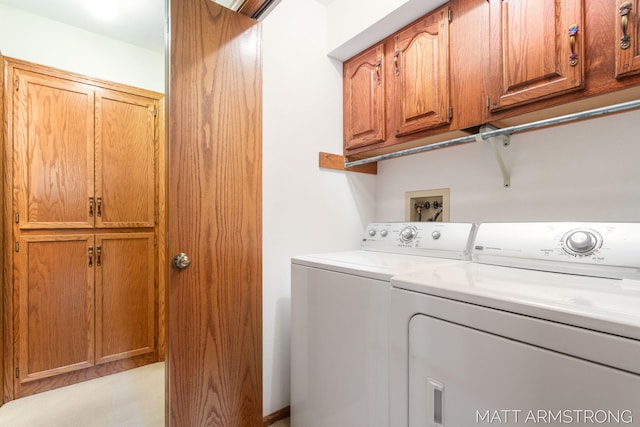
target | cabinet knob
[{"x": 181, "y": 261}]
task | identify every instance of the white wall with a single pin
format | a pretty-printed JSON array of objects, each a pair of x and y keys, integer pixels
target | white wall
[
  {"x": 582, "y": 171},
  {"x": 32, "y": 38},
  {"x": 354, "y": 25},
  {"x": 305, "y": 209},
  {"x": 586, "y": 171}
]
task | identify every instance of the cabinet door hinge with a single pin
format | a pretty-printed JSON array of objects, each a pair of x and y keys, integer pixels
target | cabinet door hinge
[
  {"x": 17, "y": 218},
  {"x": 488, "y": 102},
  {"x": 155, "y": 240},
  {"x": 17, "y": 85},
  {"x": 450, "y": 15},
  {"x": 17, "y": 372},
  {"x": 450, "y": 113},
  {"x": 17, "y": 246}
]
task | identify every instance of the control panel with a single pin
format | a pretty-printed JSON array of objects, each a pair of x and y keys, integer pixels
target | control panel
[
  {"x": 450, "y": 240},
  {"x": 587, "y": 248}
]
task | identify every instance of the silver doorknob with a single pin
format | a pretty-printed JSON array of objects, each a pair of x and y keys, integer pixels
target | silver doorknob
[{"x": 181, "y": 261}]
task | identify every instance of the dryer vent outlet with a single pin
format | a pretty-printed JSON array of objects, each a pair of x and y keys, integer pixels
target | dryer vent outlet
[{"x": 427, "y": 205}]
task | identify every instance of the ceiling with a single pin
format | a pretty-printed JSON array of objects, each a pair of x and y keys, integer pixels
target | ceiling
[{"x": 139, "y": 22}]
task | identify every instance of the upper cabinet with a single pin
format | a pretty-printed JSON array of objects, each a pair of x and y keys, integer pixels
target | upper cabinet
[
  {"x": 421, "y": 74},
  {"x": 54, "y": 134},
  {"x": 498, "y": 62},
  {"x": 126, "y": 131},
  {"x": 399, "y": 88},
  {"x": 85, "y": 156},
  {"x": 627, "y": 33},
  {"x": 536, "y": 50},
  {"x": 364, "y": 98}
]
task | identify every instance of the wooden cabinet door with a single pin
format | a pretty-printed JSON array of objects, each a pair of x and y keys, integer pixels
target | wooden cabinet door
[
  {"x": 627, "y": 43},
  {"x": 364, "y": 98},
  {"x": 125, "y": 147},
  {"x": 53, "y": 148},
  {"x": 421, "y": 74},
  {"x": 536, "y": 50},
  {"x": 125, "y": 295},
  {"x": 54, "y": 307}
]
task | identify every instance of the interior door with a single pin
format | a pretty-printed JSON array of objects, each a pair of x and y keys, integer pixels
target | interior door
[{"x": 214, "y": 369}]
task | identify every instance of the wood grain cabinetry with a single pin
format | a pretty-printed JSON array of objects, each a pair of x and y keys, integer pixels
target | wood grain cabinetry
[
  {"x": 364, "y": 98},
  {"x": 421, "y": 74},
  {"x": 501, "y": 62},
  {"x": 398, "y": 88},
  {"x": 627, "y": 44},
  {"x": 55, "y": 314},
  {"x": 536, "y": 50},
  {"x": 124, "y": 295},
  {"x": 84, "y": 179},
  {"x": 53, "y": 126},
  {"x": 125, "y": 160}
]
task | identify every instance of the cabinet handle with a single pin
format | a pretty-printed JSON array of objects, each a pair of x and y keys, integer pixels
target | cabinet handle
[
  {"x": 378, "y": 77},
  {"x": 90, "y": 206},
  {"x": 99, "y": 207},
  {"x": 90, "y": 256},
  {"x": 98, "y": 256},
  {"x": 395, "y": 60},
  {"x": 573, "y": 59},
  {"x": 625, "y": 9}
]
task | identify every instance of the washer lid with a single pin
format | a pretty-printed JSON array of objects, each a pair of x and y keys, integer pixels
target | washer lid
[
  {"x": 601, "y": 304},
  {"x": 375, "y": 265}
]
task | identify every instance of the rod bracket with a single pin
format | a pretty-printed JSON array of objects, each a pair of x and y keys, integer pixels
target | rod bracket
[{"x": 496, "y": 141}]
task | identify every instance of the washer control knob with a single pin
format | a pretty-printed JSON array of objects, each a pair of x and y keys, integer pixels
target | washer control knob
[
  {"x": 436, "y": 235},
  {"x": 581, "y": 241},
  {"x": 408, "y": 233},
  {"x": 372, "y": 232},
  {"x": 384, "y": 233}
]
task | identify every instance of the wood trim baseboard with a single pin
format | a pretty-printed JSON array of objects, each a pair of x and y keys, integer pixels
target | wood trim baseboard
[{"x": 280, "y": 414}]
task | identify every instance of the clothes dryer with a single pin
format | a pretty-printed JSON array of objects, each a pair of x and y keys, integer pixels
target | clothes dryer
[{"x": 543, "y": 327}]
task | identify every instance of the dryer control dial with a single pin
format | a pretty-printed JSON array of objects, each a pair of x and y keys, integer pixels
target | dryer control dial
[{"x": 581, "y": 242}]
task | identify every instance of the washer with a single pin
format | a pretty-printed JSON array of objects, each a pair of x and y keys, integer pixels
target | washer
[
  {"x": 543, "y": 327},
  {"x": 339, "y": 320}
]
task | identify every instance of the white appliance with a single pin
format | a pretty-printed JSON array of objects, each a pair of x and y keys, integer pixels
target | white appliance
[
  {"x": 542, "y": 328},
  {"x": 339, "y": 320}
]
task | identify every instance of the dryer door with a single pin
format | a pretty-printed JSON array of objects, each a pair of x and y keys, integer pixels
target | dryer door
[{"x": 459, "y": 376}]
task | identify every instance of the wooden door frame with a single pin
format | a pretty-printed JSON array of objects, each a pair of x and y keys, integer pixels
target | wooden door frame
[{"x": 3, "y": 244}]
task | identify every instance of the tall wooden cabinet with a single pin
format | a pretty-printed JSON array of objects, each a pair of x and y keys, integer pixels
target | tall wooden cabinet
[{"x": 85, "y": 182}]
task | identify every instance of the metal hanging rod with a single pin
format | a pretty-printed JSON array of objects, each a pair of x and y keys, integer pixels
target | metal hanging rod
[{"x": 616, "y": 108}]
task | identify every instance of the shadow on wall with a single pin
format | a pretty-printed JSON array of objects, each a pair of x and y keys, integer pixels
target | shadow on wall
[{"x": 282, "y": 346}]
